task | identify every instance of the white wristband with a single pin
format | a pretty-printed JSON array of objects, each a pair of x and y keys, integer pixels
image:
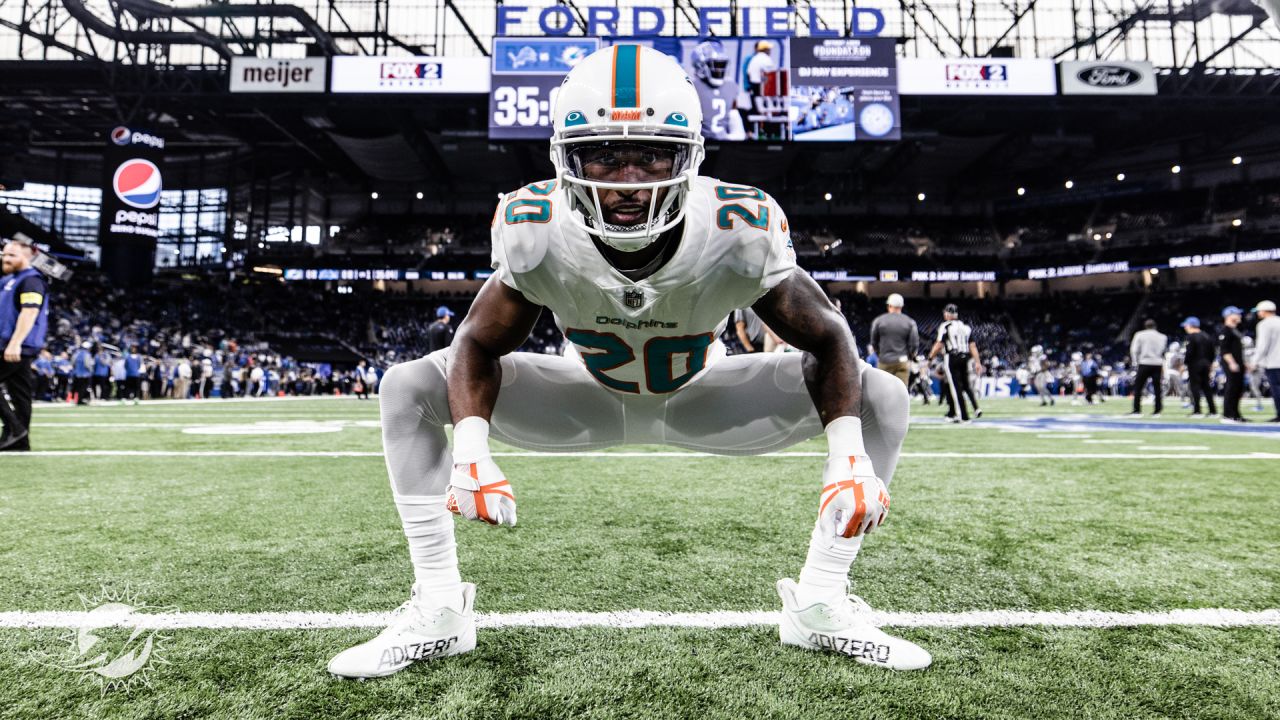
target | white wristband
[
  {"x": 844, "y": 436},
  {"x": 470, "y": 440}
]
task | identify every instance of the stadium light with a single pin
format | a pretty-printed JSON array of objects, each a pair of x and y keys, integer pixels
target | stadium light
[
  {"x": 1155, "y": 271},
  {"x": 419, "y": 194},
  {"x": 1069, "y": 184},
  {"x": 1119, "y": 177},
  {"x": 827, "y": 197},
  {"x": 261, "y": 245},
  {"x": 374, "y": 194},
  {"x": 1097, "y": 236},
  {"x": 222, "y": 249},
  {"x": 920, "y": 197},
  {"x": 1237, "y": 222},
  {"x": 1237, "y": 160},
  {"x": 1022, "y": 191},
  {"x": 1175, "y": 169}
]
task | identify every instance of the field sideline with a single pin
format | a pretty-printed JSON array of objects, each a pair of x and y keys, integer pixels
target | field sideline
[{"x": 1062, "y": 562}]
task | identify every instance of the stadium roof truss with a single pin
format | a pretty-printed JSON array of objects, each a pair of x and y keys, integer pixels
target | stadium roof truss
[
  {"x": 1193, "y": 36},
  {"x": 164, "y": 66}
]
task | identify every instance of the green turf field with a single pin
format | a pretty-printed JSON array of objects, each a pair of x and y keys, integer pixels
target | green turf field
[{"x": 1009, "y": 513}]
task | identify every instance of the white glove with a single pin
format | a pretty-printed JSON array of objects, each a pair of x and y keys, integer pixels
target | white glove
[
  {"x": 477, "y": 488},
  {"x": 478, "y": 491},
  {"x": 854, "y": 500}
]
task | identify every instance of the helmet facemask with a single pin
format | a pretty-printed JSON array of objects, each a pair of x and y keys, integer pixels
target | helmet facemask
[
  {"x": 592, "y": 164},
  {"x": 714, "y": 71}
]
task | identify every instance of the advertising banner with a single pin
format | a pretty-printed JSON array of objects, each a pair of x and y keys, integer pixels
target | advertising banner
[
  {"x": 129, "y": 221},
  {"x": 284, "y": 75},
  {"x": 976, "y": 76},
  {"x": 444, "y": 75},
  {"x": 1107, "y": 77},
  {"x": 845, "y": 89}
]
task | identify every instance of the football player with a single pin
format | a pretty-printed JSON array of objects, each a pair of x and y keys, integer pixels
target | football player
[
  {"x": 641, "y": 261},
  {"x": 721, "y": 99}
]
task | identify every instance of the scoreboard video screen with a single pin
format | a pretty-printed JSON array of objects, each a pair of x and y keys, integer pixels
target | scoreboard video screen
[{"x": 751, "y": 89}]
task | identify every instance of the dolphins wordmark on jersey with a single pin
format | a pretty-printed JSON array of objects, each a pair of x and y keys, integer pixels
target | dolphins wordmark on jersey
[{"x": 658, "y": 334}]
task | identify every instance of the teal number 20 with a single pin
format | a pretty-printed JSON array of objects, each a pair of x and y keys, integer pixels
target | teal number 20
[
  {"x": 525, "y": 210},
  {"x": 659, "y": 356},
  {"x": 724, "y": 216}
]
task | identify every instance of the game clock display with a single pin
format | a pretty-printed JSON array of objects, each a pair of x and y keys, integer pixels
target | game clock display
[{"x": 520, "y": 106}]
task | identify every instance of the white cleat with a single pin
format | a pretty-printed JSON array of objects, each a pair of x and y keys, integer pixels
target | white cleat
[
  {"x": 847, "y": 629},
  {"x": 416, "y": 633}
]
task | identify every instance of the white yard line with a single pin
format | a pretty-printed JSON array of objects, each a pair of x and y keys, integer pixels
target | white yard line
[
  {"x": 654, "y": 455},
  {"x": 1213, "y": 617},
  {"x": 1063, "y": 436},
  {"x": 201, "y": 401},
  {"x": 1184, "y": 448},
  {"x": 192, "y": 419}
]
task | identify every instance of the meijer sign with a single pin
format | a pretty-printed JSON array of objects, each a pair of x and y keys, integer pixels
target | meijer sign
[{"x": 277, "y": 75}]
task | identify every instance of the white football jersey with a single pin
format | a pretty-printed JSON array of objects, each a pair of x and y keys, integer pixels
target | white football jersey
[{"x": 655, "y": 335}]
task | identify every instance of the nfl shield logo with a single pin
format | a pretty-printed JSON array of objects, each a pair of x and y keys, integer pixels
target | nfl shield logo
[{"x": 633, "y": 298}]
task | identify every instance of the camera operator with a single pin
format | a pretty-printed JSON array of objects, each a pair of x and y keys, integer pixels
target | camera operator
[{"x": 24, "y": 320}]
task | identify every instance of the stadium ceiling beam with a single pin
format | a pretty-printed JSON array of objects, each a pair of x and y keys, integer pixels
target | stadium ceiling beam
[
  {"x": 683, "y": 6},
  {"x": 149, "y": 9},
  {"x": 290, "y": 37},
  {"x": 1122, "y": 27},
  {"x": 472, "y": 33},
  {"x": 1017, "y": 20},
  {"x": 910, "y": 11},
  {"x": 1204, "y": 62},
  {"x": 334, "y": 11},
  {"x": 132, "y": 38},
  {"x": 46, "y": 40}
]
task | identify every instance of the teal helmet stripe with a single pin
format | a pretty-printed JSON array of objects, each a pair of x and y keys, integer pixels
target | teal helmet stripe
[{"x": 626, "y": 76}]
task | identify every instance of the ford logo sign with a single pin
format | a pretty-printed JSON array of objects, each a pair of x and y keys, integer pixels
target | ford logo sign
[{"x": 1109, "y": 76}]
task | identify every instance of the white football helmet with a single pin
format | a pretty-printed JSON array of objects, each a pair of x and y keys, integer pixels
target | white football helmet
[
  {"x": 627, "y": 94},
  {"x": 710, "y": 62}
]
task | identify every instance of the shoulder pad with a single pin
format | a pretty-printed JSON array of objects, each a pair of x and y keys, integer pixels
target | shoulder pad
[
  {"x": 523, "y": 224},
  {"x": 746, "y": 222}
]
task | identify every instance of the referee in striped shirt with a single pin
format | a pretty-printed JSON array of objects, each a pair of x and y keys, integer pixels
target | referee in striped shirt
[{"x": 954, "y": 340}]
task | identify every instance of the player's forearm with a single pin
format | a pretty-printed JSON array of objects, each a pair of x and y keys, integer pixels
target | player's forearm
[
  {"x": 800, "y": 313},
  {"x": 475, "y": 375},
  {"x": 831, "y": 376},
  {"x": 933, "y": 351},
  {"x": 742, "y": 338}
]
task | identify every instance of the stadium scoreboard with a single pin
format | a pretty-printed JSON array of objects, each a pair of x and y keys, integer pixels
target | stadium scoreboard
[{"x": 752, "y": 88}]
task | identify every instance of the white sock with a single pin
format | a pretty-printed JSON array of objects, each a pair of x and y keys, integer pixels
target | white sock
[
  {"x": 825, "y": 575},
  {"x": 428, "y": 527}
]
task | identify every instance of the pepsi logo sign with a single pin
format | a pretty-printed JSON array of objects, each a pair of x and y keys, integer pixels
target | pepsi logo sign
[
  {"x": 137, "y": 183},
  {"x": 125, "y": 137},
  {"x": 1108, "y": 76}
]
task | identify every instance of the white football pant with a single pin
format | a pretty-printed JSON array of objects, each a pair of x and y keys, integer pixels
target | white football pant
[{"x": 742, "y": 405}]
